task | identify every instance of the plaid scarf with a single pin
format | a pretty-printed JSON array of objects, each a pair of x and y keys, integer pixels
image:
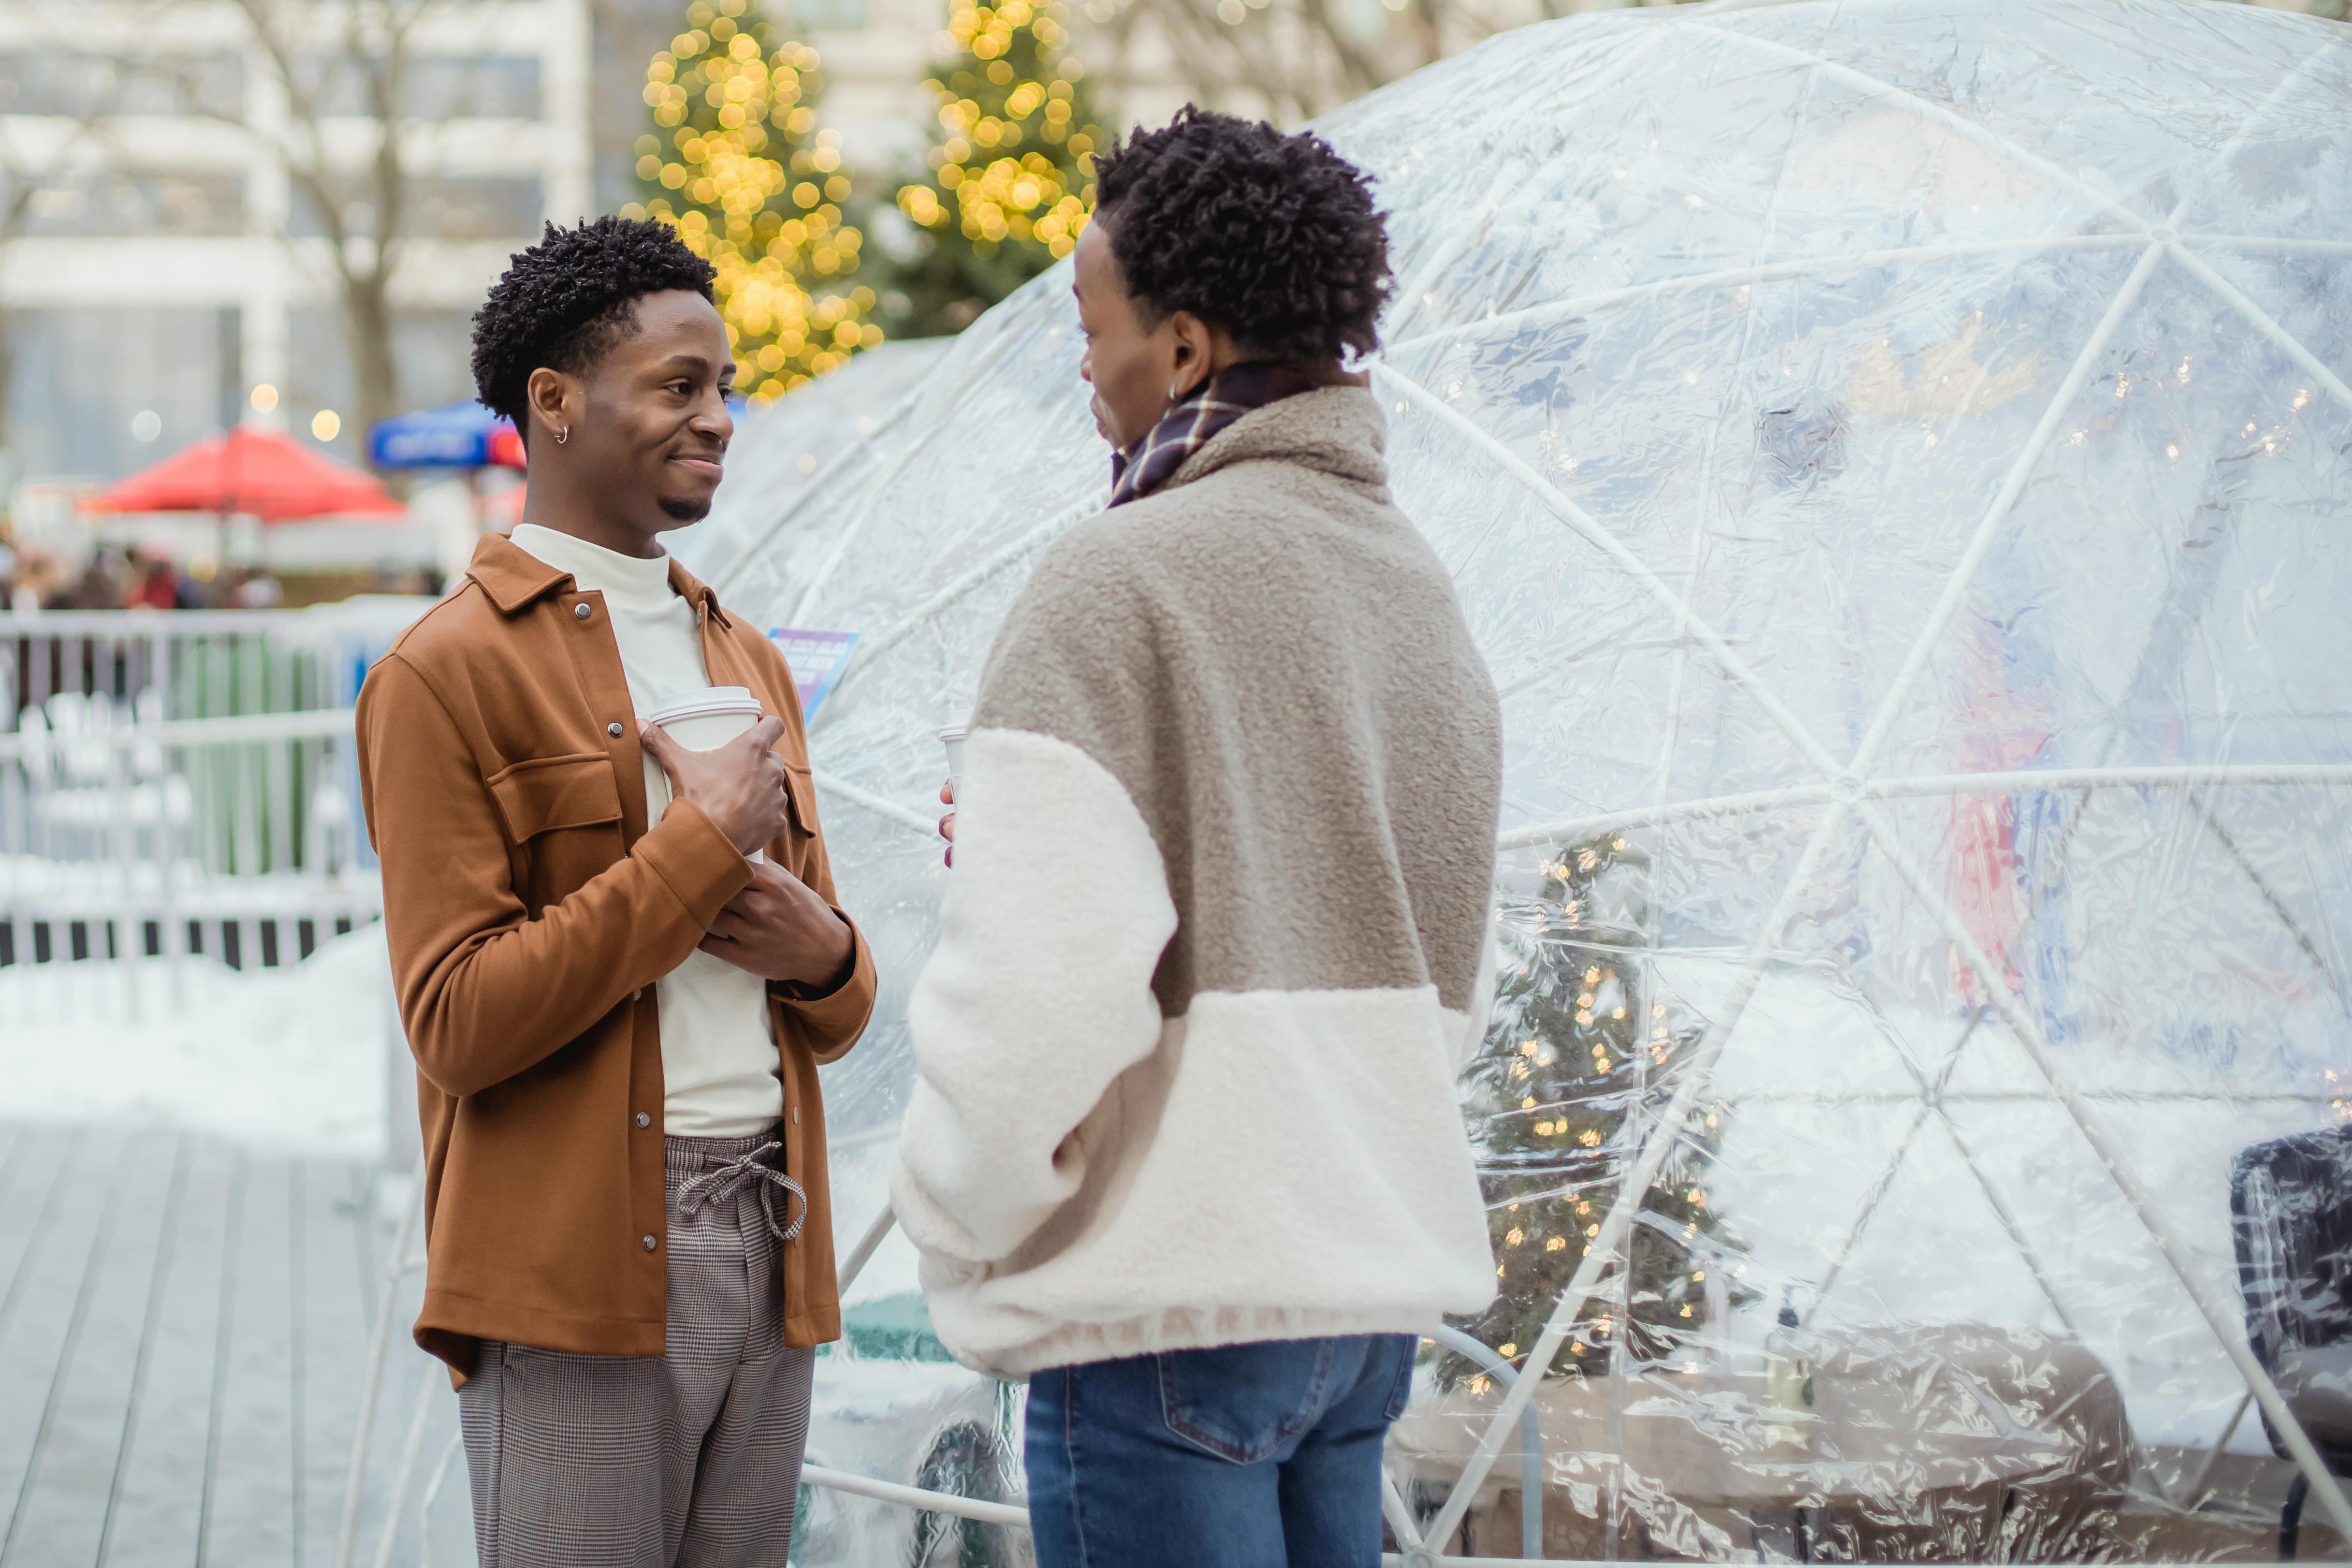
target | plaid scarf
[{"x": 1195, "y": 419}]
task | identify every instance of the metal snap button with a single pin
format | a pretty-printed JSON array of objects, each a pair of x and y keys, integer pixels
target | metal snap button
[
  {"x": 580, "y": 610},
  {"x": 651, "y": 1244},
  {"x": 644, "y": 1119},
  {"x": 613, "y": 728}
]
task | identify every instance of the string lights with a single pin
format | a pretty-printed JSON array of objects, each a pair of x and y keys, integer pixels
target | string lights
[
  {"x": 739, "y": 163},
  {"x": 1012, "y": 175},
  {"x": 1575, "y": 1048}
]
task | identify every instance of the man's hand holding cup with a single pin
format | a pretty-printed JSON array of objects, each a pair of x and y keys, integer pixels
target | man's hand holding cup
[
  {"x": 777, "y": 928},
  {"x": 738, "y": 783}
]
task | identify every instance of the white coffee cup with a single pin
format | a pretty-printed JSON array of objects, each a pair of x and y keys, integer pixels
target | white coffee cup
[
  {"x": 952, "y": 738},
  {"x": 706, "y": 719}
]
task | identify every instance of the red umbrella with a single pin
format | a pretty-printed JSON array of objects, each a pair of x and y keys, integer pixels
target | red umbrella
[{"x": 263, "y": 472}]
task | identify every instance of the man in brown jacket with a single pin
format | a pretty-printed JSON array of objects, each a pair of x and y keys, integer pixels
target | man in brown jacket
[{"x": 619, "y": 961}]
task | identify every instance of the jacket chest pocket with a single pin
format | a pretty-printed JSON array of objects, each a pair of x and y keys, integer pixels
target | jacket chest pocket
[
  {"x": 544, "y": 802},
  {"x": 800, "y": 803}
]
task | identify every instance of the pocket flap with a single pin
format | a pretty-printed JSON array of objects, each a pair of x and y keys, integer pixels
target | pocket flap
[
  {"x": 548, "y": 792},
  {"x": 799, "y": 797}
]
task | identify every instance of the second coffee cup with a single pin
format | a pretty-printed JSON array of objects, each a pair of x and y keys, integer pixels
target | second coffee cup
[{"x": 952, "y": 738}]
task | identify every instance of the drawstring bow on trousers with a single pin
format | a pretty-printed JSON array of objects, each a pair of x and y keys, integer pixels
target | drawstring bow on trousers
[{"x": 717, "y": 1183}]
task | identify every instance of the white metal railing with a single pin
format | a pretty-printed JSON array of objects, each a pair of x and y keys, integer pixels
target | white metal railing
[
  {"x": 177, "y": 786},
  {"x": 231, "y": 841},
  {"x": 201, "y": 663}
]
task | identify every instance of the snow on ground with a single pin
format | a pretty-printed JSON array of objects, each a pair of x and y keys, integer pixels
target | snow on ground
[{"x": 285, "y": 1060}]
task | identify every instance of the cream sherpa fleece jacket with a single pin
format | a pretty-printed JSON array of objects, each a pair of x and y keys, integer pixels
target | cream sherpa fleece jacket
[{"x": 1212, "y": 950}]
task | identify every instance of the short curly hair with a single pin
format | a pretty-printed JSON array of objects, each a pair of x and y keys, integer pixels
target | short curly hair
[
  {"x": 567, "y": 300},
  {"x": 1272, "y": 236}
]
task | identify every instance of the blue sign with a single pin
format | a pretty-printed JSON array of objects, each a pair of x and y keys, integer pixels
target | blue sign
[{"x": 453, "y": 436}]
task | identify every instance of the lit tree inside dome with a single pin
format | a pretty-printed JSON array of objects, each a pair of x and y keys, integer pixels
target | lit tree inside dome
[
  {"x": 739, "y": 164},
  {"x": 1579, "y": 1052}
]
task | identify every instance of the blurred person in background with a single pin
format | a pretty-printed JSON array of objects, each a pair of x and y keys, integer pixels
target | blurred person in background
[
  {"x": 99, "y": 586},
  {"x": 257, "y": 591},
  {"x": 619, "y": 962},
  {"x": 1183, "y": 1148},
  {"x": 159, "y": 586},
  {"x": 409, "y": 580},
  {"x": 39, "y": 579}
]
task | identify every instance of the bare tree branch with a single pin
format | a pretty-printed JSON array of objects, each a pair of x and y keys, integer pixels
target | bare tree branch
[
  {"x": 367, "y": 46},
  {"x": 1356, "y": 63},
  {"x": 1212, "y": 80},
  {"x": 1300, "y": 57}
]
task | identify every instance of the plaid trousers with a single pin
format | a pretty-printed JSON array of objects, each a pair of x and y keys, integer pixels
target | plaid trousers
[{"x": 690, "y": 1459}]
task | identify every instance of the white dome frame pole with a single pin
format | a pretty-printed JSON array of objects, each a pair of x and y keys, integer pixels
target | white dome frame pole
[
  {"x": 1930, "y": 1100},
  {"x": 1901, "y": 787},
  {"x": 1769, "y": 271}
]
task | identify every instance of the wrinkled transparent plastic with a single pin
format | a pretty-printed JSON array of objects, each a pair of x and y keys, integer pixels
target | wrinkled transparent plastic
[{"x": 1894, "y": 457}]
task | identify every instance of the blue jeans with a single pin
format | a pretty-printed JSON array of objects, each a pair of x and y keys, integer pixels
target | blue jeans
[{"x": 1255, "y": 1456}]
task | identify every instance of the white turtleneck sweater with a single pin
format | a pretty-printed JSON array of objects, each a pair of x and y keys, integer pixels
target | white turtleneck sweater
[{"x": 719, "y": 1060}]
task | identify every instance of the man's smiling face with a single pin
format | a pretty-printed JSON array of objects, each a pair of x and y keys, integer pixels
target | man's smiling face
[{"x": 655, "y": 427}]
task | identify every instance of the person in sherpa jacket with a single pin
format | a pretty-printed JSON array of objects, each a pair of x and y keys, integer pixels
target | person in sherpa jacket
[{"x": 1183, "y": 1149}]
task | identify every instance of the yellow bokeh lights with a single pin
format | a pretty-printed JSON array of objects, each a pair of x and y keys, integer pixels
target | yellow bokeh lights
[
  {"x": 740, "y": 165},
  {"x": 1016, "y": 159}
]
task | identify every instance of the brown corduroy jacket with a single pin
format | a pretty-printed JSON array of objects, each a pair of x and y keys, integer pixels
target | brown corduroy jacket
[{"x": 529, "y": 915}]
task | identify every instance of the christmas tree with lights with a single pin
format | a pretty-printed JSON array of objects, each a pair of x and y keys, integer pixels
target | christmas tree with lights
[
  {"x": 738, "y": 164},
  {"x": 1012, "y": 179},
  {"x": 1578, "y": 1049}
]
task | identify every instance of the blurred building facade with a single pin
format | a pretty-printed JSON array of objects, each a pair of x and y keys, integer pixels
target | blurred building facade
[{"x": 195, "y": 201}]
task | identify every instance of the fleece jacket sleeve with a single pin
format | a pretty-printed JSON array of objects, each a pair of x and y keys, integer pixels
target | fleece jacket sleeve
[
  {"x": 1039, "y": 993},
  {"x": 488, "y": 988},
  {"x": 1038, "y": 996}
]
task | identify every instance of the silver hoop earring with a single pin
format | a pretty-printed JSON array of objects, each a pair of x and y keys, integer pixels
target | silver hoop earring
[
  {"x": 563, "y": 435},
  {"x": 1174, "y": 391}
]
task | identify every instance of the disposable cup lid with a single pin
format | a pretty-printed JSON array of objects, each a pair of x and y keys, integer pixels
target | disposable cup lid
[
  {"x": 710, "y": 700},
  {"x": 955, "y": 731}
]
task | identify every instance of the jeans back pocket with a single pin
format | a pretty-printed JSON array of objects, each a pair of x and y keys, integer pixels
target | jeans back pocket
[{"x": 1243, "y": 1402}]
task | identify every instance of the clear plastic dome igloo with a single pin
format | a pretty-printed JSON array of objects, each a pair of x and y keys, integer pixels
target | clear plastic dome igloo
[{"x": 1893, "y": 456}]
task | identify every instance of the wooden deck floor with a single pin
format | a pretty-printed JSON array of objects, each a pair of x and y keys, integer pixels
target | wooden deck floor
[{"x": 183, "y": 1333}]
